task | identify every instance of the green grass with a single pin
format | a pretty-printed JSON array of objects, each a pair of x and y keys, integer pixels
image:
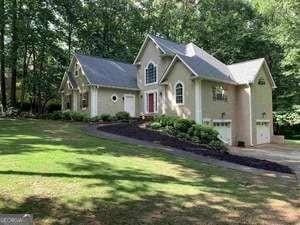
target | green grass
[
  {"x": 292, "y": 142},
  {"x": 62, "y": 176}
]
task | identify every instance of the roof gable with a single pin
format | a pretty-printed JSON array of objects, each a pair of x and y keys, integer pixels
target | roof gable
[{"x": 246, "y": 72}]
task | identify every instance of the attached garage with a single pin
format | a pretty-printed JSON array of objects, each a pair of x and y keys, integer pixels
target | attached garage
[
  {"x": 263, "y": 131},
  {"x": 224, "y": 129}
]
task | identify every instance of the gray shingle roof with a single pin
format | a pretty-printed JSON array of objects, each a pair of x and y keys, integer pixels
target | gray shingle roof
[
  {"x": 169, "y": 47},
  {"x": 246, "y": 72},
  {"x": 207, "y": 66},
  {"x": 203, "y": 64},
  {"x": 205, "y": 69},
  {"x": 108, "y": 72}
]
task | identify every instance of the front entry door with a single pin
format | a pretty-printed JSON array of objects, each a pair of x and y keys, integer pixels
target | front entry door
[{"x": 151, "y": 102}]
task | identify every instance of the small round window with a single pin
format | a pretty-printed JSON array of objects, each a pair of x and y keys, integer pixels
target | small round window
[{"x": 114, "y": 98}]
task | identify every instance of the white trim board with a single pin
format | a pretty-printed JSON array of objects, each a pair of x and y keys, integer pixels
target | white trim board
[
  {"x": 198, "y": 101},
  {"x": 155, "y": 101}
]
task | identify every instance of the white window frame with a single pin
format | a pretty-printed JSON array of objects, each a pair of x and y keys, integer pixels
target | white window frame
[
  {"x": 179, "y": 82},
  {"x": 145, "y": 74},
  {"x": 146, "y": 101}
]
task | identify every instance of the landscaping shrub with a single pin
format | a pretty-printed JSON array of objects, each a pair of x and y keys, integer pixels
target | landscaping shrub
[
  {"x": 204, "y": 133},
  {"x": 53, "y": 107},
  {"x": 124, "y": 116},
  {"x": 170, "y": 130},
  {"x": 166, "y": 120},
  {"x": 56, "y": 115},
  {"x": 182, "y": 135},
  {"x": 79, "y": 116},
  {"x": 68, "y": 116},
  {"x": 188, "y": 130},
  {"x": 155, "y": 125},
  {"x": 95, "y": 119},
  {"x": 106, "y": 118},
  {"x": 217, "y": 145},
  {"x": 183, "y": 125}
]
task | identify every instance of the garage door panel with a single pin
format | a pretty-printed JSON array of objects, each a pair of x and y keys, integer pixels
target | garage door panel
[
  {"x": 262, "y": 132},
  {"x": 224, "y": 130}
]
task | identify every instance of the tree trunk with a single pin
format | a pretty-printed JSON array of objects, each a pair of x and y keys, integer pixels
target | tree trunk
[
  {"x": 2, "y": 55},
  {"x": 14, "y": 53},
  {"x": 24, "y": 75}
]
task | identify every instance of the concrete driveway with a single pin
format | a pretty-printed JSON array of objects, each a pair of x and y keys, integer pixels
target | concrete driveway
[{"x": 284, "y": 154}]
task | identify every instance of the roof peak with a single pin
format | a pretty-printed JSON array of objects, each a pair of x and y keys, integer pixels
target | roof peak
[
  {"x": 247, "y": 61},
  {"x": 102, "y": 58}
]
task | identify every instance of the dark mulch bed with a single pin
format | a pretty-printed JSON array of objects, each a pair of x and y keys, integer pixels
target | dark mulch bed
[{"x": 134, "y": 131}]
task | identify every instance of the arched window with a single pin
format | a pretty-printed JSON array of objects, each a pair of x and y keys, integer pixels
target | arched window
[
  {"x": 151, "y": 74},
  {"x": 179, "y": 93}
]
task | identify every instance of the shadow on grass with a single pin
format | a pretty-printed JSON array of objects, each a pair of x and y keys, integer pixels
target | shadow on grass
[
  {"x": 158, "y": 210},
  {"x": 221, "y": 198}
]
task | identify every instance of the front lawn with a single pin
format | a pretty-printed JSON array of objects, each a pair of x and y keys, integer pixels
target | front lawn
[
  {"x": 62, "y": 176},
  {"x": 293, "y": 142}
]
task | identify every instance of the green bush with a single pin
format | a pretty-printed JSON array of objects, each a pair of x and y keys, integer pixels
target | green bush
[
  {"x": 204, "y": 133},
  {"x": 67, "y": 115},
  {"x": 166, "y": 120},
  {"x": 217, "y": 144},
  {"x": 95, "y": 119},
  {"x": 124, "y": 116},
  {"x": 106, "y": 117},
  {"x": 52, "y": 107},
  {"x": 155, "y": 125},
  {"x": 56, "y": 115},
  {"x": 188, "y": 130},
  {"x": 182, "y": 135},
  {"x": 183, "y": 125},
  {"x": 170, "y": 130},
  {"x": 79, "y": 116}
]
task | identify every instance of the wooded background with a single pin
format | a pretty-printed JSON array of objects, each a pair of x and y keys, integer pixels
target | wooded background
[{"x": 38, "y": 37}]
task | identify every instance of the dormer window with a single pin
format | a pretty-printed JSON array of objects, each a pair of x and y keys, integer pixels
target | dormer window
[{"x": 151, "y": 74}]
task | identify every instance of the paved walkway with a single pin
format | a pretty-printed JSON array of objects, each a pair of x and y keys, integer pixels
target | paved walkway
[
  {"x": 93, "y": 131},
  {"x": 284, "y": 154}
]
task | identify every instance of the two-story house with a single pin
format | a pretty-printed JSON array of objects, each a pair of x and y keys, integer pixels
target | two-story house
[{"x": 176, "y": 79}]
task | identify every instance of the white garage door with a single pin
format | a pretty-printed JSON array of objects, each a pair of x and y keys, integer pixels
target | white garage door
[
  {"x": 224, "y": 129},
  {"x": 129, "y": 104},
  {"x": 262, "y": 132}
]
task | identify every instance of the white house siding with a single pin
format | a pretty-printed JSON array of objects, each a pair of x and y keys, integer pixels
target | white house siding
[
  {"x": 179, "y": 73},
  {"x": 106, "y": 105}
]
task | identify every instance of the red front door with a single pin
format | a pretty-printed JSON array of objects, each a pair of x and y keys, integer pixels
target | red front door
[{"x": 151, "y": 103}]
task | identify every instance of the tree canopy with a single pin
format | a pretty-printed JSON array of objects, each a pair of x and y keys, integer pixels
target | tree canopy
[{"x": 37, "y": 38}]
